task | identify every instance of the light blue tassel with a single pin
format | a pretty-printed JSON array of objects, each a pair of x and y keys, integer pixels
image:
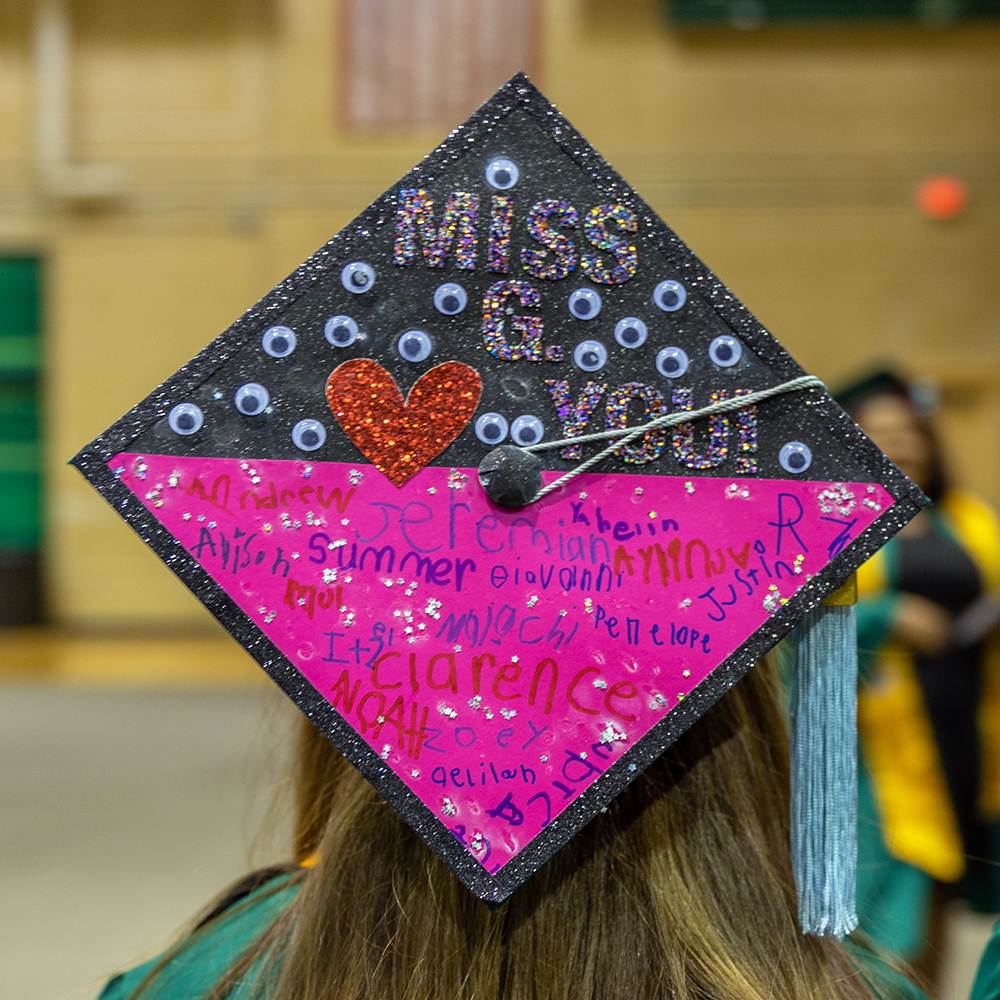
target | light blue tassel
[{"x": 825, "y": 770}]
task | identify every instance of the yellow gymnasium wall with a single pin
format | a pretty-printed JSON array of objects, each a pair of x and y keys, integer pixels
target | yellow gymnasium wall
[{"x": 786, "y": 157}]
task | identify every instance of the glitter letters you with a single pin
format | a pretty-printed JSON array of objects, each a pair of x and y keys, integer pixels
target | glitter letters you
[{"x": 510, "y": 337}]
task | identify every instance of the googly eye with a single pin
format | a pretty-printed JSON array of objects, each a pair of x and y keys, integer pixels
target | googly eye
[
  {"x": 502, "y": 173},
  {"x": 185, "y": 418},
  {"x": 357, "y": 277},
  {"x": 670, "y": 295},
  {"x": 450, "y": 299},
  {"x": 308, "y": 435},
  {"x": 279, "y": 341},
  {"x": 526, "y": 430},
  {"x": 725, "y": 351},
  {"x": 340, "y": 331},
  {"x": 491, "y": 428},
  {"x": 630, "y": 332},
  {"x": 251, "y": 398},
  {"x": 414, "y": 345},
  {"x": 672, "y": 362},
  {"x": 795, "y": 457},
  {"x": 590, "y": 355},
  {"x": 585, "y": 303}
]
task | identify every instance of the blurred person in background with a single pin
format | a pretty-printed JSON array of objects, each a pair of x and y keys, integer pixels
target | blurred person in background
[{"x": 929, "y": 704}]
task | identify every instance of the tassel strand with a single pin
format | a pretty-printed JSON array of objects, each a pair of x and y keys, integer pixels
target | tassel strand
[{"x": 824, "y": 766}]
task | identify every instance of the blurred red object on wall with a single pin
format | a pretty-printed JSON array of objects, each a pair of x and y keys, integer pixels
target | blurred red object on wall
[{"x": 942, "y": 197}]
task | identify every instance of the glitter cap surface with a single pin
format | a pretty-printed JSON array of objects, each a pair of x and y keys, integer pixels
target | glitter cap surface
[{"x": 500, "y": 674}]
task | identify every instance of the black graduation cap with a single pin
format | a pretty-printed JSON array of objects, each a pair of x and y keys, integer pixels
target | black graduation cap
[{"x": 501, "y": 670}]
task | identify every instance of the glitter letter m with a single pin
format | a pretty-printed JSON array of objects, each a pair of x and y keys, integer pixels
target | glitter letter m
[{"x": 415, "y": 218}]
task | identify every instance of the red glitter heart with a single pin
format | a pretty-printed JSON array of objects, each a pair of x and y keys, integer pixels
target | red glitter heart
[{"x": 399, "y": 438}]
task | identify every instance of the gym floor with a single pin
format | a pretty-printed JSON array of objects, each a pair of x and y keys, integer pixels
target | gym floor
[{"x": 127, "y": 802}]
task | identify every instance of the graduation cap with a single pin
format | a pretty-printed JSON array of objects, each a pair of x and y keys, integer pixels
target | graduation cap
[{"x": 505, "y": 489}]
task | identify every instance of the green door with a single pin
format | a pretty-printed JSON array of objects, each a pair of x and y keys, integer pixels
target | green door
[{"x": 20, "y": 454}]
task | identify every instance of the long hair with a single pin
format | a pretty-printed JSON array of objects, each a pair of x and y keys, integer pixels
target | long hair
[{"x": 682, "y": 888}]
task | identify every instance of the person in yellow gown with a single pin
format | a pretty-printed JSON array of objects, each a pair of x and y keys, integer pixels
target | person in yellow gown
[{"x": 929, "y": 703}]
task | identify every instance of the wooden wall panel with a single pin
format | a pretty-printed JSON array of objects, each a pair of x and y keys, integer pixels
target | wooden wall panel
[{"x": 786, "y": 157}]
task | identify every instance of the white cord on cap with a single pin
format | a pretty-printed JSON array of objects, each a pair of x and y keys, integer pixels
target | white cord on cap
[{"x": 627, "y": 434}]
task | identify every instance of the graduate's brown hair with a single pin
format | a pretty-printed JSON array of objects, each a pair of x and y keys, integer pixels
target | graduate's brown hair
[{"x": 682, "y": 888}]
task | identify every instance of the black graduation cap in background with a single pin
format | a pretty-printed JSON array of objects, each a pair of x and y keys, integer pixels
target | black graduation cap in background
[{"x": 499, "y": 673}]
